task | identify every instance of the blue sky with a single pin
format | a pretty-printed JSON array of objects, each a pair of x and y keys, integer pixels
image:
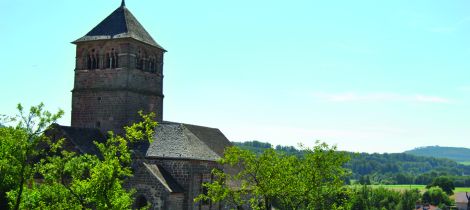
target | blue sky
[{"x": 372, "y": 76}]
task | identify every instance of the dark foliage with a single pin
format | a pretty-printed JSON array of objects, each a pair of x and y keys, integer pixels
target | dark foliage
[{"x": 445, "y": 183}]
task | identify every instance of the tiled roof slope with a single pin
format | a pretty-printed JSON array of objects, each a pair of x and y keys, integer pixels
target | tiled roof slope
[
  {"x": 212, "y": 137},
  {"x": 183, "y": 141},
  {"x": 119, "y": 24},
  {"x": 81, "y": 138}
]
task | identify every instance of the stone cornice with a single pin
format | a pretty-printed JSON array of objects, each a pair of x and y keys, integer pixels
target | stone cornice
[{"x": 134, "y": 90}]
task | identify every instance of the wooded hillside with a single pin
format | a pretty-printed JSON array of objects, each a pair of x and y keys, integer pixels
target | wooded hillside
[
  {"x": 394, "y": 168},
  {"x": 458, "y": 154}
]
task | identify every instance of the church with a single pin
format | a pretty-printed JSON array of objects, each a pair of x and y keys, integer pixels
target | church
[{"x": 119, "y": 71}]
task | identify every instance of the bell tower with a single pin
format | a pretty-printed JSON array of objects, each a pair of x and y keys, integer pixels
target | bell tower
[{"x": 118, "y": 71}]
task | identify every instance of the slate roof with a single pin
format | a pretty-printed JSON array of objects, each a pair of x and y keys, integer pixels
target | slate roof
[
  {"x": 82, "y": 138},
  {"x": 184, "y": 141},
  {"x": 164, "y": 177},
  {"x": 119, "y": 24}
]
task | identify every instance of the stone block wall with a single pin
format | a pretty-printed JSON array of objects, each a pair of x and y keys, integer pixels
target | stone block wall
[
  {"x": 190, "y": 174},
  {"x": 109, "y": 98},
  {"x": 148, "y": 186}
]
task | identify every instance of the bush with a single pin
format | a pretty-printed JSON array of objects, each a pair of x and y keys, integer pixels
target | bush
[
  {"x": 445, "y": 183},
  {"x": 436, "y": 196},
  {"x": 366, "y": 198}
]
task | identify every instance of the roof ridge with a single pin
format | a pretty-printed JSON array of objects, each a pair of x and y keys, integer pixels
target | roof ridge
[{"x": 126, "y": 19}]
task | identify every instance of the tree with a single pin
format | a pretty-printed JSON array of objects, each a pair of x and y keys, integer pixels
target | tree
[
  {"x": 436, "y": 196},
  {"x": 408, "y": 199},
  {"x": 66, "y": 180},
  {"x": 18, "y": 148},
  {"x": 311, "y": 182},
  {"x": 445, "y": 183},
  {"x": 322, "y": 174},
  {"x": 368, "y": 198},
  {"x": 364, "y": 180},
  {"x": 10, "y": 161}
]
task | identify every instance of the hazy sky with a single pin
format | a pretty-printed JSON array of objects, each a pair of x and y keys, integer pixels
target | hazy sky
[{"x": 373, "y": 76}]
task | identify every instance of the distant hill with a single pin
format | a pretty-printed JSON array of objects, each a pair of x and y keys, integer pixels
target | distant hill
[{"x": 458, "y": 154}]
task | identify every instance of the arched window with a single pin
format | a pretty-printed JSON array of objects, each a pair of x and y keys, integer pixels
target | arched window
[
  {"x": 107, "y": 61},
  {"x": 88, "y": 61},
  {"x": 93, "y": 60},
  {"x": 152, "y": 65},
  {"x": 97, "y": 59},
  {"x": 139, "y": 61},
  {"x": 111, "y": 59},
  {"x": 144, "y": 62},
  {"x": 114, "y": 59},
  {"x": 140, "y": 202}
]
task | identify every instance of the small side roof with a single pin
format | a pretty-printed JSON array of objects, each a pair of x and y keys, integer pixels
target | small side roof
[
  {"x": 184, "y": 141},
  {"x": 119, "y": 24},
  {"x": 164, "y": 178}
]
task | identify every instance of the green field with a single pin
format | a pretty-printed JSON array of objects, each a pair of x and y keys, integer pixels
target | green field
[
  {"x": 419, "y": 187},
  {"x": 467, "y": 163}
]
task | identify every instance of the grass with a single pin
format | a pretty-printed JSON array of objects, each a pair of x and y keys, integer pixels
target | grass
[{"x": 467, "y": 163}]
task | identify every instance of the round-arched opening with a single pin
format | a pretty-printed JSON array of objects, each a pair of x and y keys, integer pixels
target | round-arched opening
[{"x": 140, "y": 202}]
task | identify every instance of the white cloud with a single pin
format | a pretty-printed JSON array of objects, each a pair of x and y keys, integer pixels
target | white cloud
[
  {"x": 379, "y": 97},
  {"x": 431, "y": 99}
]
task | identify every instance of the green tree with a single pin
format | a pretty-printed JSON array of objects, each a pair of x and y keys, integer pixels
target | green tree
[
  {"x": 364, "y": 180},
  {"x": 445, "y": 183},
  {"x": 408, "y": 199},
  {"x": 18, "y": 148},
  {"x": 322, "y": 173},
  {"x": 312, "y": 182},
  {"x": 436, "y": 196},
  {"x": 359, "y": 198},
  {"x": 69, "y": 180},
  {"x": 369, "y": 198}
]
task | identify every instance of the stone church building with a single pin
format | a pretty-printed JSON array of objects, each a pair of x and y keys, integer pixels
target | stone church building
[{"x": 119, "y": 71}]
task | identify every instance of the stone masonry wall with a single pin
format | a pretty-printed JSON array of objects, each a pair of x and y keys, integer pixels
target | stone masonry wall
[
  {"x": 109, "y": 98},
  {"x": 190, "y": 174},
  {"x": 155, "y": 193}
]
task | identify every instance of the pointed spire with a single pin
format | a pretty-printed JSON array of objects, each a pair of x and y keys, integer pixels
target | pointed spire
[{"x": 123, "y": 3}]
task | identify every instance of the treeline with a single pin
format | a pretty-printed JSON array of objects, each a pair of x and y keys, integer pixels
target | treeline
[
  {"x": 396, "y": 168},
  {"x": 400, "y": 168},
  {"x": 314, "y": 180}
]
